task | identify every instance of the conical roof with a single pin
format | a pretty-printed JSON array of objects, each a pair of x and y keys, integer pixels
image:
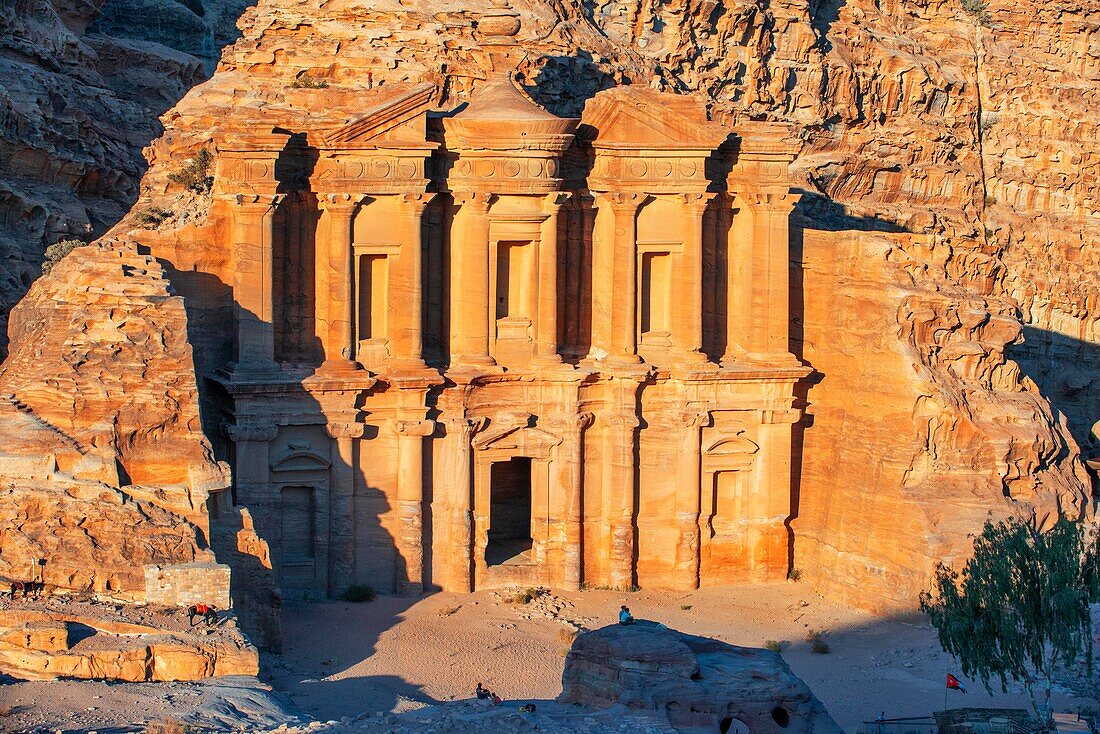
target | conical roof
[{"x": 500, "y": 115}]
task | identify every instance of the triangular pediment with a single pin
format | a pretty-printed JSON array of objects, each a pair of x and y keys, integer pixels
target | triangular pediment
[
  {"x": 646, "y": 119},
  {"x": 398, "y": 117}
]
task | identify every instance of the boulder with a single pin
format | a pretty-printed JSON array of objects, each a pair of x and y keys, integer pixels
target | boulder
[{"x": 698, "y": 683}]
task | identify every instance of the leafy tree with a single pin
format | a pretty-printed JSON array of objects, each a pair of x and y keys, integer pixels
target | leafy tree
[
  {"x": 195, "y": 176},
  {"x": 58, "y": 250},
  {"x": 1020, "y": 607}
]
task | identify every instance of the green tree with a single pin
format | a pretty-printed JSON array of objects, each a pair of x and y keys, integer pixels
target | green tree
[{"x": 1020, "y": 607}]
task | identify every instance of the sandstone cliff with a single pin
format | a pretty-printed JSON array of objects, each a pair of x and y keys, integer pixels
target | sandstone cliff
[
  {"x": 949, "y": 178},
  {"x": 82, "y": 83}
]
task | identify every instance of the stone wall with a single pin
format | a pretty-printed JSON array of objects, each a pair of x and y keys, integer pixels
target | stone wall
[{"x": 188, "y": 583}]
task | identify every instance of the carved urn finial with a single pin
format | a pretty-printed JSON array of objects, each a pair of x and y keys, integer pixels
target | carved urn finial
[{"x": 497, "y": 29}]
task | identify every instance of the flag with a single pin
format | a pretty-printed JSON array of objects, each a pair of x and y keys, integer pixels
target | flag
[{"x": 953, "y": 682}]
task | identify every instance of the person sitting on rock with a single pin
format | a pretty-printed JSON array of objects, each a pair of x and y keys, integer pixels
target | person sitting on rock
[
  {"x": 204, "y": 611},
  {"x": 482, "y": 692},
  {"x": 624, "y": 615}
]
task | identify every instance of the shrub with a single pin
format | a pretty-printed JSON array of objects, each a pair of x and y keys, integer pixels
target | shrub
[
  {"x": 816, "y": 638},
  {"x": 685, "y": 607},
  {"x": 566, "y": 635},
  {"x": 794, "y": 574},
  {"x": 195, "y": 176},
  {"x": 151, "y": 217},
  {"x": 774, "y": 645},
  {"x": 526, "y": 596},
  {"x": 58, "y": 250},
  {"x": 168, "y": 726},
  {"x": 978, "y": 10},
  {"x": 1019, "y": 610},
  {"x": 307, "y": 81},
  {"x": 358, "y": 593}
]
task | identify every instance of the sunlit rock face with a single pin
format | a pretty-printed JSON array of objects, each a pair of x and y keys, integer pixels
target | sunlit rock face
[{"x": 947, "y": 191}]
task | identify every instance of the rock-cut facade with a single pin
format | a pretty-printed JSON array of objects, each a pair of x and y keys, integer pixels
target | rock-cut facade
[{"x": 490, "y": 345}]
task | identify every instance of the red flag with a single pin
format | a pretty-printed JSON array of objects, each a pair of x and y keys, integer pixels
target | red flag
[{"x": 953, "y": 682}]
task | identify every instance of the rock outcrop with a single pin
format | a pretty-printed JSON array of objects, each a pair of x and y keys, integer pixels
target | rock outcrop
[
  {"x": 105, "y": 464},
  {"x": 40, "y": 641},
  {"x": 698, "y": 683}
]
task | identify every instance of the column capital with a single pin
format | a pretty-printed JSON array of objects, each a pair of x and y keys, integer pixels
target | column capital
[
  {"x": 345, "y": 430},
  {"x": 417, "y": 427},
  {"x": 554, "y": 201},
  {"x": 340, "y": 203},
  {"x": 769, "y": 201},
  {"x": 252, "y": 431},
  {"x": 621, "y": 202},
  {"x": 416, "y": 201},
  {"x": 623, "y": 421},
  {"x": 773, "y": 417},
  {"x": 477, "y": 201},
  {"x": 695, "y": 417},
  {"x": 696, "y": 202},
  {"x": 467, "y": 426}
]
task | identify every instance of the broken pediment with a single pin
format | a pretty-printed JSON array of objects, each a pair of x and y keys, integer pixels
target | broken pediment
[
  {"x": 642, "y": 118},
  {"x": 399, "y": 117},
  {"x": 519, "y": 438}
]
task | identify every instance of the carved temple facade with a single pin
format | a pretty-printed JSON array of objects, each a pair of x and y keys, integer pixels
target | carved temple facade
[{"x": 493, "y": 346}]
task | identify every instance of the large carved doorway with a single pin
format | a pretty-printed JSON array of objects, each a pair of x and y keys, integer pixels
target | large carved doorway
[
  {"x": 297, "y": 538},
  {"x": 510, "y": 538}
]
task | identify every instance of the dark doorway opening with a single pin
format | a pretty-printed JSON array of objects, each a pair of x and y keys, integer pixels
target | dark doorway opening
[{"x": 509, "y": 512}]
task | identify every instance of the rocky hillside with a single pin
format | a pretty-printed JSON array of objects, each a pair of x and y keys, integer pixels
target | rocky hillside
[
  {"x": 82, "y": 83},
  {"x": 950, "y": 211}
]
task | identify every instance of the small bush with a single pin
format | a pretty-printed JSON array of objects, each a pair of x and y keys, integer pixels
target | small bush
[
  {"x": 794, "y": 575},
  {"x": 990, "y": 200},
  {"x": 196, "y": 174},
  {"x": 307, "y": 81},
  {"x": 977, "y": 10},
  {"x": 685, "y": 607},
  {"x": 151, "y": 217},
  {"x": 58, "y": 250},
  {"x": 526, "y": 596},
  {"x": 358, "y": 593},
  {"x": 818, "y": 645},
  {"x": 773, "y": 645},
  {"x": 989, "y": 233}
]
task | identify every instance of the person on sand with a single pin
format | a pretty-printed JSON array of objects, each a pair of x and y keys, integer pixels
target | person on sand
[
  {"x": 624, "y": 615},
  {"x": 204, "y": 611}
]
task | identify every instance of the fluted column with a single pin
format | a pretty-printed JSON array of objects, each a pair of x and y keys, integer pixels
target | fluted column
[
  {"x": 253, "y": 282},
  {"x": 770, "y": 311},
  {"x": 410, "y": 503},
  {"x": 547, "y": 328},
  {"x": 341, "y": 571},
  {"x": 615, "y": 277},
  {"x": 470, "y": 310},
  {"x": 688, "y": 499},
  {"x": 406, "y": 297},
  {"x": 688, "y": 338},
  {"x": 339, "y": 343},
  {"x": 620, "y": 486}
]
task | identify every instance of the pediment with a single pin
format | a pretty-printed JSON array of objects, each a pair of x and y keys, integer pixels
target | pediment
[
  {"x": 299, "y": 457},
  {"x": 400, "y": 117},
  {"x": 518, "y": 437},
  {"x": 646, "y": 119}
]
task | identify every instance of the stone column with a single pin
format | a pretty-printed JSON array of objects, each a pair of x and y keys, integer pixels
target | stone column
[
  {"x": 470, "y": 307},
  {"x": 339, "y": 342},
  {"x": 688, "y": 338},
  {"x": 688, "y": 499},
  {"x": 624, "y": 283},
  {"x": 406, "y": 297},
  {"x": 341, "y": 570},
  {"x": 547, "y": 325},
  {"x": 253, "y": 282},
  {"x": 573, "y": 442},
  {"x": 410, "y": 503},
  {"x": 458, "y": 459},
  {"x": 770, "y": 311},
  {"x": 619, "y": 484},
  {"x": 251, "y": 472},
  {"x": 738, "y": 261}
]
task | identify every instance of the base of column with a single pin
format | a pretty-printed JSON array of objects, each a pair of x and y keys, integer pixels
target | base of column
[
  {"x": 257, "y": 371},
  {"x": 339, "y": 366}
]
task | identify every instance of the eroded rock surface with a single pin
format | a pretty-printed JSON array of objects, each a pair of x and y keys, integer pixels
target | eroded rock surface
[
  {"x": 45, "y": 640},
  {"x": 698, "y": 683}
]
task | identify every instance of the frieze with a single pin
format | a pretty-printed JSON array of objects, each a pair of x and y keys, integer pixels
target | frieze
[{"x": 500, "y": 168}]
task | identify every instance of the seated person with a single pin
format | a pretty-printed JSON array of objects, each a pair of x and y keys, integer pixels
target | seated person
[
  {"x": 482, "y": 692},
  {"x": 625, "y": 616}
]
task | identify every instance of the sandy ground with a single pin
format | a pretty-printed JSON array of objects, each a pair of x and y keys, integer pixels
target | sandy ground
[{"x": 345, "y": 660}]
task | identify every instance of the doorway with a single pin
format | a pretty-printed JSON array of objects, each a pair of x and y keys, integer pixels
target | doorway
[{"x": 510, "y": 538}]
